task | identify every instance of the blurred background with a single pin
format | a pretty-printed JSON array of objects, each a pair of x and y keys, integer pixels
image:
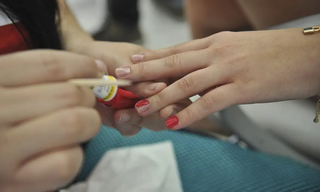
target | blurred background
[
  {"x": 150, "y": 23},
  {"x": 160, "y": 23}
]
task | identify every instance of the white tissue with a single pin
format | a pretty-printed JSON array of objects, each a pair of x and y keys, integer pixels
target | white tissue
[{"x": 147, "y": 168}]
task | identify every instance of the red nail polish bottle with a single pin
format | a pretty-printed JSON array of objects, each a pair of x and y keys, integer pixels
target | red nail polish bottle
[{"x": 114, "y": 97}]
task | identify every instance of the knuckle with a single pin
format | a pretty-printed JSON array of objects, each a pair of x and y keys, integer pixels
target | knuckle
[
  {"x": 186, "y": 84},
  {"x": 66, "y": 166},
  {"x": 142, "y": 67},
  {"x": 52, "y": 67},
  {"x": 157, "y": 100},
  {"x": 175, "y": 49},
  {"x": 72, "y": 124},
  {"x": 189, "y": 114},
  {"x": 88, "y": 69},
  {"x": 222, "y": 35},
  {"x": 223, "y": 49},
  {"x": 171, "y": 61},
  {"x": 70, "y": 93},
  {"x": 234, "y": 61},
  {"x": 207, "y": 103}
]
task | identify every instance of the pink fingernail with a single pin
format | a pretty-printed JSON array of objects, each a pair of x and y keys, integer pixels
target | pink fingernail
[
  {"x": 101, "y": 66},
  {"x": 153, "y": 86},
  {"x": 124, "y": 117},
  {"x": 142, "y": 106},
  {"x": 123, "y": 71},
  {"x": 137, "y": 57}
]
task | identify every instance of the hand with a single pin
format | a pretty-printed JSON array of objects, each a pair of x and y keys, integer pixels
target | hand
[
  {"x": 129, "y": 123},
  {"x": 116, "y": 55},
  {"x": 230, "y": 68},
  {"x": 43, "y": 119}
]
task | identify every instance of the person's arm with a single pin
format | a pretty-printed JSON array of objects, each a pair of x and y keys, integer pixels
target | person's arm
[
  {"x": 72, "y": 35},
  {"x": 114, "y": 55},
  {"x": 267, "y": 13},
  {"x": 46, "y": 128}
]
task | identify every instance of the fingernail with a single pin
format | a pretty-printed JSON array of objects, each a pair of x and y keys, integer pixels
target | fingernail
[
  {"x": 153, "y": 86},
  {"x": 123, "y": 71},
  {"x": 172, "y": 122},
  {"x": 137, "y": 57},
  {"x": 124, "y": 117},
  {"x": 142, "y": 106},
  {"x": 173, "y": 111},
  {"x": 101, "y": 66}
]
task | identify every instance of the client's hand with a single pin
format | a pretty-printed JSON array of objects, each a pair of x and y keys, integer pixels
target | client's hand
[
  {"x": 43, "y": 119},
  {"x": 230, "y": 68},
  {"x": 128, "y": 122},
  {"x": 116, "y": 55}
]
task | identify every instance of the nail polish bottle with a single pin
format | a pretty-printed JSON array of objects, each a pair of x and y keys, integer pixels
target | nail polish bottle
[{"x": 114, "y": 97}]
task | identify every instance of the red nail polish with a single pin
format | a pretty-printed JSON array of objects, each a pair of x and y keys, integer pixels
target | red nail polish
[
  {"x": 142, "y": 106},
  {"x": 172, "y": 122}
]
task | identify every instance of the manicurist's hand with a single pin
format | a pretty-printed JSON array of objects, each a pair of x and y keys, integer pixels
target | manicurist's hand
[{"x": 44, "y": 119}]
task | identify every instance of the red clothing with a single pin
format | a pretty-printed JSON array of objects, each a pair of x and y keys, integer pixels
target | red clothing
[{"x": 11, "y": 39}]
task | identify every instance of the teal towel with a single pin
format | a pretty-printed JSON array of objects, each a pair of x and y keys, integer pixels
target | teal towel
[{"x": 208, "y": 165}]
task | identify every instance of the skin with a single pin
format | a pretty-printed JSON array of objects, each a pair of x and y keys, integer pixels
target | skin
[
  {"x": 68, "y": 118},
  {"x": 267, "y": 13},
  {"x": 207, "y": 17},
  {"x": 128, "y": 122},
  {"x": 239, "y": 68},
  {"x": 40, "y": 144}
]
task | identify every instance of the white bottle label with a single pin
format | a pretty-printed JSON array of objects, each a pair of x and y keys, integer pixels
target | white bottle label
[{"x": 106, "y": 92}]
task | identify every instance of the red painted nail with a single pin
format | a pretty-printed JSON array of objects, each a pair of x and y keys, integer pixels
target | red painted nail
[
  {"x": 172, "y": 122},
  {"x": 142, "y": 106}
]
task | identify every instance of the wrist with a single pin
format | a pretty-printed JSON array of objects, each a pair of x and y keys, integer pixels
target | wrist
[
  {"x": 73, "y": 37},
  {"x": 78, "y": 43},
  {"x": 313, "y": 35},
  {"x": 93, "y": 48}
]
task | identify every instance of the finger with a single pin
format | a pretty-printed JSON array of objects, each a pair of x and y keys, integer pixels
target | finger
[
  {"x": 62, "y": 128},
  {"x": 172, "y": 66},
  {"x": 106, "y": 114},
  {"x": 214, "y": 101},
  {"x": 146, "y": 89},
  {"x": 49, "y": 171},
  {"x": 128, "y": 130},
  {"x": 125, "y": 122},
  {"x": 43, "y": 99},
  {"x": 155, "y": 122},
  {"x": 188, "y": 86},
  {"x": 180, "y": 48},
  {"x": 33, "y": 67},
  {"x": 168, "y": 111}
]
